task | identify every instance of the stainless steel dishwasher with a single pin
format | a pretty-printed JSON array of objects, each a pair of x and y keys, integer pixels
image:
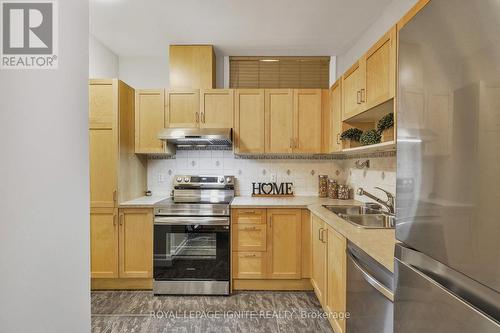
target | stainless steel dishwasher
[{"x": 369, "y": 294}]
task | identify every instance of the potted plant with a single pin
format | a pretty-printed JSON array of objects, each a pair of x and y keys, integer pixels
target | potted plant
[
  {"x": 385, "y": 127},
  {"x": 350, "y": 138},
  {"x": 370, "y": 137}
]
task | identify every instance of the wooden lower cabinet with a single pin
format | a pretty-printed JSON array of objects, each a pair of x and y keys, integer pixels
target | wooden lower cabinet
[
  {"x": 267, "y": 252},
  {"x": 104, "y": 242},
  {"x": 318, "y": 273},
  {"x": 329, "y": 271},
  {"x": 121, "y": 246},
  {"x": 336, "y": 278}
]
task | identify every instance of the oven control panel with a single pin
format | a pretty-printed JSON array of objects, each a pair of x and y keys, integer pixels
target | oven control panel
[{"x": 200, "y": 181}]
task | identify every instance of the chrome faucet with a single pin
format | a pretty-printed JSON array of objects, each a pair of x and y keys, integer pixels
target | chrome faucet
[{"x": 388, "y": 204}]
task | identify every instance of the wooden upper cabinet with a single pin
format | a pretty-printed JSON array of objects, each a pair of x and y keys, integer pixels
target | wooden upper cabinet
[
  {"x": 318, "y": 271},
  {"x": 192, "y": 66},
  {"x": 149, "y": 121},
  {"x": 103, "y": 103},
  {"x": 103, "y": 142},
  {"x": 307, "y": 120},
  {"x": 279, "y": 120},
  {"x": 336, "y": 117},
  {"x": 136, "y": 243},
  {"x": 284, "y": 243},
  {"x": 103, "y": 243},
  {"x": 217, "y": 108},
  {"x": 352, "y": 86},
  {"x": 249, "y": 121},
  {"x": 336, "y": 277},
  {"x": 380, "y": 71},
  {"x": 182, "y": 108}
]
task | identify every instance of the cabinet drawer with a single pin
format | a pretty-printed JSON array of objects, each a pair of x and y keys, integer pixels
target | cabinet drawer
[
  {"x": 255, "y": 216},
  {"x": 249, "y": 237},
  {"x": 249, "y": 265}
]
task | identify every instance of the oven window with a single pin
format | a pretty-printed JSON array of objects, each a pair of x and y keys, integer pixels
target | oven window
[{"x": 191, "y": 252}]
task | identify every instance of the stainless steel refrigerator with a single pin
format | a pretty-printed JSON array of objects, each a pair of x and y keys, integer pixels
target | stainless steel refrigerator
[{"x": 448, "y": 177}]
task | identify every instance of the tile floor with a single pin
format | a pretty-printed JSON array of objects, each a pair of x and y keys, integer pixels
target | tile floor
[{"x": 141, "y": 311}]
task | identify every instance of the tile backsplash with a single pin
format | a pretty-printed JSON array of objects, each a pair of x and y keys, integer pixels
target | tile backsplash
[
  {"x": 302, "y": 172},
  {"x": 382, "y": 173}
]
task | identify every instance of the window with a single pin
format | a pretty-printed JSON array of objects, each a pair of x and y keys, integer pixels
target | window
[{"x": 279, "y": 72}]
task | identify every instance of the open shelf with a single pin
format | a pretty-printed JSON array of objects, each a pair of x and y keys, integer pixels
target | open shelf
[{"x": 379, "y": 147}]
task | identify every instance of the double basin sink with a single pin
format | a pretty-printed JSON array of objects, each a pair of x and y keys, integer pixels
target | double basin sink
[{"x": 364, "y": 217}]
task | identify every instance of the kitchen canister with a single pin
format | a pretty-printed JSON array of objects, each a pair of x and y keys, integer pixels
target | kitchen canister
[
  {"x": 343, "y": 192},
  {"x": 323, "y": 186},
  {"x": 333, "y": 189}
]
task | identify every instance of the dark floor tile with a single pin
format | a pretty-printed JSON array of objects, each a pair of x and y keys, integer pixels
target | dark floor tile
[
  {"x": 295, "y": 300},
  {"x": 304, "y": 325},
  {"x": 120, "y": 324},
  {"x": 241, "y": 325}
]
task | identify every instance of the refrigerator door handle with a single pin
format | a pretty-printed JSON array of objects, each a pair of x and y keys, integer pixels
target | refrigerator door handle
[
  {"x": 371, "y": 280},
  {"x": 461, "y": 286}
]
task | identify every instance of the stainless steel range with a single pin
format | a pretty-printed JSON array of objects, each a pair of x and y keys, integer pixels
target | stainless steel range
[{"x": 191, "y": 237}]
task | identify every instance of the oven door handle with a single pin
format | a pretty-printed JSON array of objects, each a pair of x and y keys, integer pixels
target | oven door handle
[{"x": 190, "y": 220}]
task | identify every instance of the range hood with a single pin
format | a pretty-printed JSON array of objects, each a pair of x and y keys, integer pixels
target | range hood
[{"x": 196, "y": 137}]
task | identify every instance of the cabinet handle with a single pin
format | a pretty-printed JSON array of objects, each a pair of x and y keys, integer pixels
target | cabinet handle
[
  {"x": 249, "y": 212},
  {"x": 114, "y": 196},
  {"x": 249, "y": 256},
  {"x": 322, "y": 237},
  {"x": 338, "y": 138},
  {"x": 358, "y": 97},
  {"x": 249, "y": 228},
  {"x": 114, "y": 219},
  {"x": 363, "y": 95},
  {"x": 320, "y": 234},
  {"x": 121, "y": 219},
  {"x": 197, "y": 117}
]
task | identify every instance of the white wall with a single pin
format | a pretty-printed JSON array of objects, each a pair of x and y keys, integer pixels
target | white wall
[
  {"x": 390, "y": 16},
  {"x": 144, "y": 72},
  {"x": 103, "y": 63},
  {"x": 44, "y": 192}
]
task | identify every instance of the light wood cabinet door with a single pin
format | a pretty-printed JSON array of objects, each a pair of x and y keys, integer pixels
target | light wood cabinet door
[
  {"x": 192, "y": 66},
  {"x": 380, "y": 71},
  {"x": 103, "y": 103},
  {"x": 352, "y": 86},
  {"x": 336, "y": 116},
  {"x": 182, "y": 108},
  {"x": 318, "y": 274},
  {"x": 104, "y": 243},
  {"x": 279, "y": 120},
  {"x": 284, "y": 243},
  {"x": 249, "y": 216},
  {"x": 249, "y": 265},
  {"x": 249, "y": 121},
  {"x": 136, "y": 243},
  {"x": 217, "y": 108},
  {"x": 336, "y": 277},
  {"x": 307, "y": 120},
  {"x": 149, "y": 121},
  {"x": 249, "y": 237}
]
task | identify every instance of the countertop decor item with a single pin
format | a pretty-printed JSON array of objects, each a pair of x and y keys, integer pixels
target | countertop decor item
[
  {"x": 323, "y": 186},
  {"x": 333, "y": 189},
  {"x": 344, "y": 192},
  {"x": 385, "y": 127},
  {"x": 370, "y": 137},
  {"x": 350, "y": 138},
  {"x": 272, "y": 190}
]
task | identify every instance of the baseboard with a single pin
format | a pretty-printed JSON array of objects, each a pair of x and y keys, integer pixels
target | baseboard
[
  {"x": 121, "y": 284},
  {"x": 299, "y": 284}
]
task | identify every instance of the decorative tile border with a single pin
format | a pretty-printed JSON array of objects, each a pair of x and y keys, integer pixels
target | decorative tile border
[
  {"x": 324, "y": 157},
  {"x": 206, "y": 148}
]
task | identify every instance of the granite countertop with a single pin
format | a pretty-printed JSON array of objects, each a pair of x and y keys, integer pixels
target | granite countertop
[
  {"x": 143, "y": 202},
  {"x": 378, "y": 243}
]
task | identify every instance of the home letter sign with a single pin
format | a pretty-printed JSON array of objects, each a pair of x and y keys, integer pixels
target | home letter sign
[{"x": 272, "y": 189}]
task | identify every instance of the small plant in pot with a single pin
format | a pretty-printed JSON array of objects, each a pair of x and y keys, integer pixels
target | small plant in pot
[
  {"x": 350, "y": 138},
  {"x": 385, "y": 127},
  {"x": 370, "y": 137}
]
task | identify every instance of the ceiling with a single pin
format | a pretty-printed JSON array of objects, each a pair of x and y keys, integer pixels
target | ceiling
[{"x": 235, "y": 27}]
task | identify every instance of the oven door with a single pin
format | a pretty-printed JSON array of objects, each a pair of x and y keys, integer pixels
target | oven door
[{"x": 191, "y": 248}]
